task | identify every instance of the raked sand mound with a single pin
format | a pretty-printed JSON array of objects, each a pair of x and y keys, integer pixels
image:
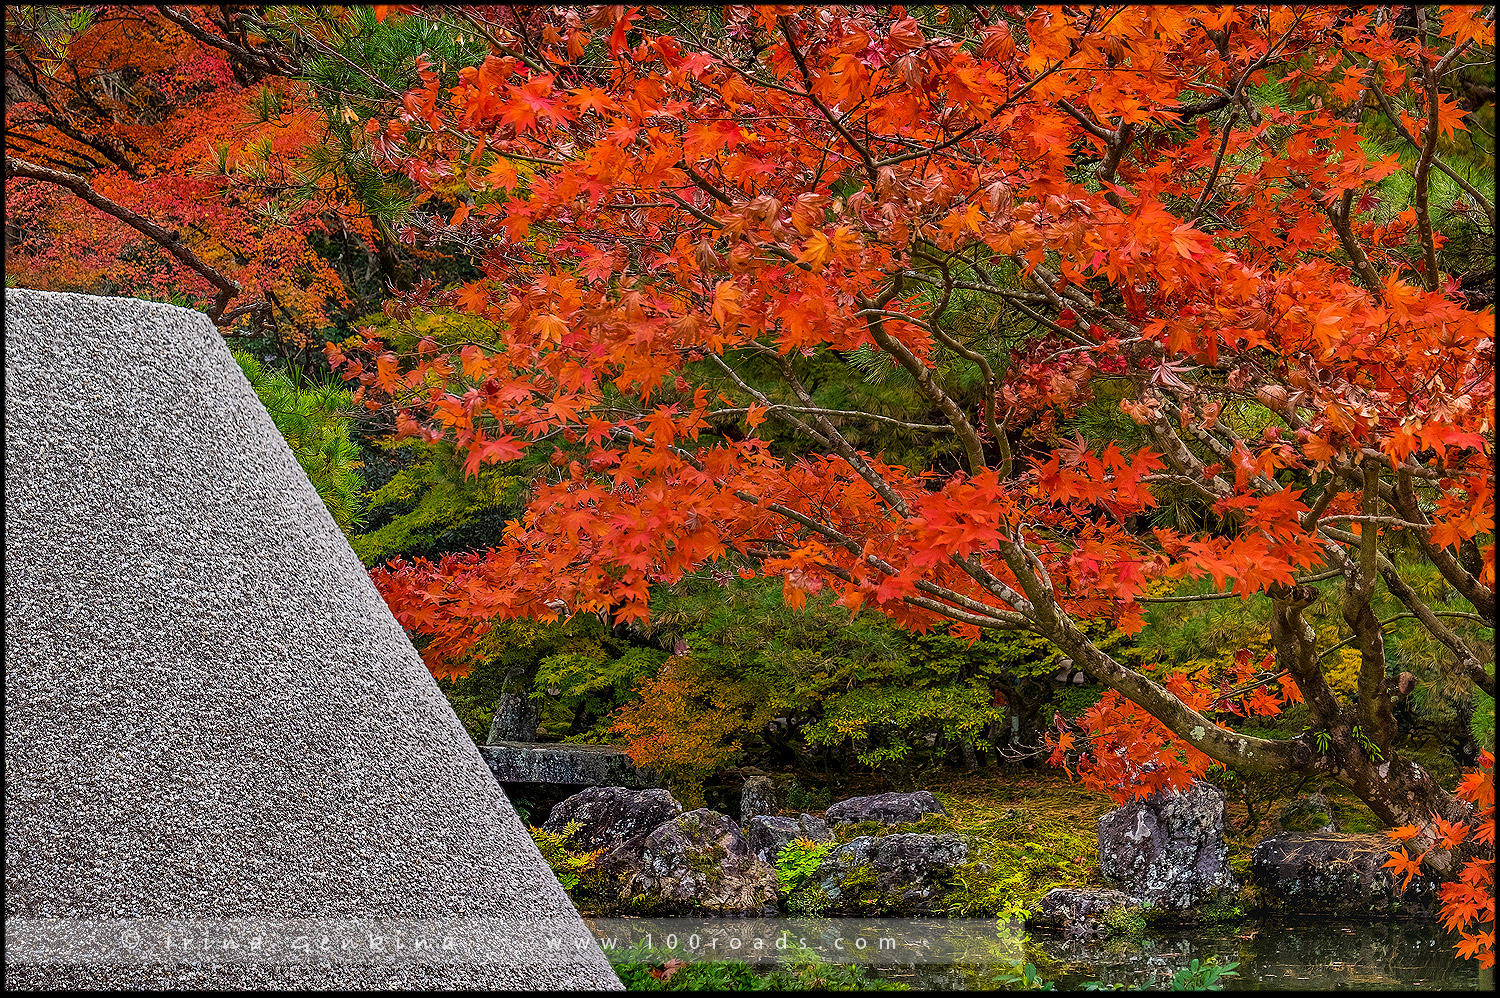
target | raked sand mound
[{"x": 213, "y": 723}]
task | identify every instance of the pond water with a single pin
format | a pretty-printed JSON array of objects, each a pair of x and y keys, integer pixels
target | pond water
[
  {"x": 968, "y": 954},
  {"x": 1278, "y": 955}
]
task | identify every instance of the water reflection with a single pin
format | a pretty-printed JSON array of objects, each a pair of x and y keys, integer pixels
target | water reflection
[{"x": 1273, "y": 956}]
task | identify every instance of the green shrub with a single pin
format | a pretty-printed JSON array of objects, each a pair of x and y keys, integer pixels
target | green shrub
[{"x": 797, "y": 862}]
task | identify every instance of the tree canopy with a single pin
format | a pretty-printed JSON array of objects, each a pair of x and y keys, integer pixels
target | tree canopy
[{"x": 1000, "y": 319}]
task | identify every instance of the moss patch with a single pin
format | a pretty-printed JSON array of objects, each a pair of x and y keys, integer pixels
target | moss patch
[{"x": 1128, "y": 922}]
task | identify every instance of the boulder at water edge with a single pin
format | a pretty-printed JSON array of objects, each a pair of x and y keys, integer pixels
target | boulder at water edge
[
  {"x": 1079, "y": 909},
  {"x": 1168, "y": 849},
  {"x": 1327, "y": 873},
  {"x": 907, "y": 873}
]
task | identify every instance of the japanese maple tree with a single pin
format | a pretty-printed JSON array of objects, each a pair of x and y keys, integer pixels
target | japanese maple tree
[
  {"x": 155, "y": 152},
  {"x": 684, "y": 212}
]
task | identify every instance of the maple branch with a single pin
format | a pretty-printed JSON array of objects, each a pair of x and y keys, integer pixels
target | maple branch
[
  {"x": 1242, "y": 752},
  {"x": 760, "y": 396},
  {"x": 1231, "y": 595},
  {"x": 1467, "y": 660},
  {"x": 1319, "y": 505},
  {"x": 1339, "y": 218},
  {"x": 1295, "y": 642},
  {"x": 840, "y": 444},
  {"x": 227, "y": 289},
  {"x": 1484, "y": 203},
  {"x": 1390, "y": 521},
  {"x": 1359, "y": 614},
  {"x": 59, "y": 120},
  {"x": 1242, "y": 690},
  {"x": 776, "y": 407},
  {"x": 996, "y": 431},
  {"x": 261, "y": 60},
  {"x": 1400, "y": 616},
  {"x": 864, "y": 154},
  {"x": 704, "y": 184},
  {"x": 1106, "y": 169},
  {"x": 973, "y": 449},
  {"x": 1424, "y": 167},
  {"x": 1479, "y": 596},
  {"x": 1213, "y": 175}
]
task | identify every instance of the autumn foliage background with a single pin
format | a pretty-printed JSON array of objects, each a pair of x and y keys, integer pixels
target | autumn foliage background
[{"x": 795, "y": 381}]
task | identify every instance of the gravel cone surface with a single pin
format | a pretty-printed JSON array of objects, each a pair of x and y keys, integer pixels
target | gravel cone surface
[{"x": 213, "y": 724}]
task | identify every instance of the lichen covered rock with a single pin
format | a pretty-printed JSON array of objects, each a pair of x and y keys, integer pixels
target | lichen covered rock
[
  {"x": 758, "y": 797},
  {"x": 769, "y": 834},
  {"x": 1168, "y": 849},
  {"x": 611, "y": 815},
  {"x": 1327, "y": 873},
  {"x": 906, "y": 873},
  {"x": 893, "y": 808},
  {"x": 699, "y": 861},
  {"x": 1080, "y": 910}
]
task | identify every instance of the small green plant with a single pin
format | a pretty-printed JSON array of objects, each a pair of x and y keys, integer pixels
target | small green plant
[
  {"x": 797, "y": 861},
  {"x": 1203, "y": 976},
  {"x": 1324, "y": 740},
  {"x": 568, "y": 864},
  {"x": 1025, "y": 979},
  {"x": 1371, "y": 749}
]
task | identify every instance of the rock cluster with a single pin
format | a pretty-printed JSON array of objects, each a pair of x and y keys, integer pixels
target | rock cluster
[{"x": 660, "y": 860}]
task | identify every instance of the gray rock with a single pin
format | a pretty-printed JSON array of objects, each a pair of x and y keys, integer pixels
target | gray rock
[
  {"x": 893, "y": 809},
  {"x": 768, "y": 834},
  {"x": 757, "y": 797},
  {"x": 211, "y": 718},
  {"x": 564, "y": 765},
  {"x": 697, "y": 862},
  {"x": 515, "y": 719},
  {"x": 1078, "y": 909},
  {"x": 1326, "y": 873},
  {"x": 908, "y": 873},
  {"x": 611, "y": 815},
  {"x": 1168, "y": 849}
]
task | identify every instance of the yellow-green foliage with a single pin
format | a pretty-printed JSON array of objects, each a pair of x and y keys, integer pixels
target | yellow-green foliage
[
  {"x": 314, "y": 418},
  {"x": 567, "y": 863},
  {"x": 430, "y": 499},
  {"x": 956, "y": 713},
  {"x": 1341, "y": 669},
  {"x": 448, "y": 327},
  {"x": 797, "y": 861}
]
